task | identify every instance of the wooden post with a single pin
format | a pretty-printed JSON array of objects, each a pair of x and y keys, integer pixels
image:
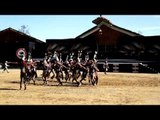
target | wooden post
[
  {"x": 115, "y": 67},
  {"x": 135, "y": 68}
]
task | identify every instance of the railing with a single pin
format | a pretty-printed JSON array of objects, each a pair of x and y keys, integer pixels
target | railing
[{"x": 130, "y": 65}]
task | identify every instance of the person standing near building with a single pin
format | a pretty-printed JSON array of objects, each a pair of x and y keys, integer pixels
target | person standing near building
[
  {"x": 6, "y": 67},
  {"x": 105, "y": 67}
]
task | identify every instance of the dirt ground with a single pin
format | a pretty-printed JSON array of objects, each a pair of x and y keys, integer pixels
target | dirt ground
[{"x": 112, "y": 89}]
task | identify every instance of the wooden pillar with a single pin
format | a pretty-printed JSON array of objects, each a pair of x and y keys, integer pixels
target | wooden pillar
[
  {"x": 115, "y": 67},
  {"x": 135, "y": 68},
  {"x": 97, "y": 47}
]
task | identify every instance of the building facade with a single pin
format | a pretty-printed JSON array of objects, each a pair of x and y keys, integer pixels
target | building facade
[
  {"x": 11, "y": 40},
  {"x": 125, "y": 50},
  {"x": 119, "y": 45}
]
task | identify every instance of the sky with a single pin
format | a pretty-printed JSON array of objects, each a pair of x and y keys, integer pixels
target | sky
[{"x": 70, "y": 26}]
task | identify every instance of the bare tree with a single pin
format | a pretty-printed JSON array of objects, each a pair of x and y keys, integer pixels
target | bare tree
[{"x": 24, "y": 29}]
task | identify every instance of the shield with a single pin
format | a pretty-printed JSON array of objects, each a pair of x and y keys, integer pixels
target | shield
[{"x": 21, "y": 52}]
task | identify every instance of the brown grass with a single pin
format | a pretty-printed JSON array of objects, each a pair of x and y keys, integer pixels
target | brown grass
[{"x": 113, "y": 89}]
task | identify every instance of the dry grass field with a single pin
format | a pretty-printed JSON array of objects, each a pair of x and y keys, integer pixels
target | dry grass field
[{"x": 113, "y": 89}]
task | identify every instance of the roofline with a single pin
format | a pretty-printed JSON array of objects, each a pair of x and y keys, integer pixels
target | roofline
[
  {"x": 112, "y": 26},
  {"x": 22, "y": 34},
  {"x": 125, "y": 31},
  {"x": 90, "y": 31}
]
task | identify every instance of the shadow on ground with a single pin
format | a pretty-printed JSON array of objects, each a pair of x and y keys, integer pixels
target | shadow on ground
[
  {"x": 51, "y": 83},
  {"x": 8, "y": 89}
]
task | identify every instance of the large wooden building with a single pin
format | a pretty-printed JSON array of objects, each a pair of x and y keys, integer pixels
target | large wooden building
[
  {"x": 117, "y": 44},
  {"x": 103, "y": 38},
  {"x": 11, "y": 40}
]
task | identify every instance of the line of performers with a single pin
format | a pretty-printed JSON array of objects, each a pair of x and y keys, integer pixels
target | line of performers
[{"x": 73, "y": 69}]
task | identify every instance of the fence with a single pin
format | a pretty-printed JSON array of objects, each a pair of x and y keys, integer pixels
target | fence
[{"x": 146, "y": 67}]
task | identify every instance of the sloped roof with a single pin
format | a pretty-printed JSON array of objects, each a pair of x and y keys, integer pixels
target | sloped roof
[
  {"x": 102, "y": 21},
  {"x": 19, "y": 33}
]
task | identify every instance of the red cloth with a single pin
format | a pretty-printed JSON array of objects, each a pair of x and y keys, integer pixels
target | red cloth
[{"x": 24, "y": 63}]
